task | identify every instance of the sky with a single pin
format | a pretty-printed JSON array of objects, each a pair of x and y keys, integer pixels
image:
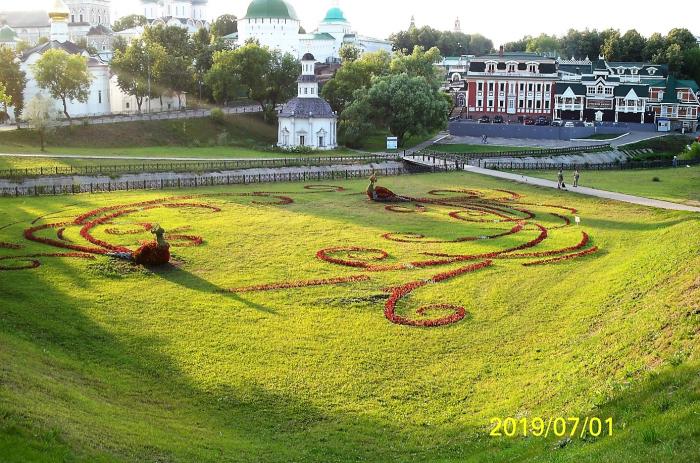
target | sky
[{"x": 504, "y": 21}]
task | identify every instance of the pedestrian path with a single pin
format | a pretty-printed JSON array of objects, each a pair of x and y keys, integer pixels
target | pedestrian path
[{"x": 656, "y": 203}]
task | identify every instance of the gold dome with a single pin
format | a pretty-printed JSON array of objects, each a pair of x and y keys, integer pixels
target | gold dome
[{"x": 59, "y": 11}]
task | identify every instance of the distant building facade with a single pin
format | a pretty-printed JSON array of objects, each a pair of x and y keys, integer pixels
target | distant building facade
[
  {"x": 189, "y": 14},
  {"x": 511, "y": 85},
  {"x": 603, "y": 91},
  {"x": 87, "y": 19}
]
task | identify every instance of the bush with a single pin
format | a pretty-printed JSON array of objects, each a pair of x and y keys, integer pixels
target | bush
[
  {"x": 692, "y": 153},
  {"x": 656, "y": 179},
  {"x": 218, "y": 116}
]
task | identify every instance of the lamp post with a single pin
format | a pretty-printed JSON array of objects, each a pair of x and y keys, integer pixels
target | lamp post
[{"x": 148, "y": 61}]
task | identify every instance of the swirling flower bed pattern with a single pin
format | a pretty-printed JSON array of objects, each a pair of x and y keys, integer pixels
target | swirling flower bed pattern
[{"x": 498, "y": 208}]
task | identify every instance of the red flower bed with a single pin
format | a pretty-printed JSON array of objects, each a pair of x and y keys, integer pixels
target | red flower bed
[
  {"x": 324, "y": 188},
  {"x": 399, "y": 292},
  {"x": 298, "y": 284},
  {"x": 184, "y": 241},
  {"x": 33, "y": 263},
  {"x": 10, "y": 246},
  {"x": 582, "y": 244},
  {"x": 145, "y": 227},
  {"x": 395, "y": 236},
  {"x": 592, "y": 250},
  {"x": 355, "y": 260},
  {"x": 404, "y": 209}
]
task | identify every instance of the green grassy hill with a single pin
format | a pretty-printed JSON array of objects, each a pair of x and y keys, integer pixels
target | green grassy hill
[
  {"x": 104, "y": 362},
  {"x": 245, "y": 131},
  {"x": 681, "y": 185}
]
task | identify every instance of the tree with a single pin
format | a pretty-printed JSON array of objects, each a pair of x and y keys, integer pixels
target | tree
[
  {"x": 65, "y": 76},
  {"x": 267, "y": 77},
  {"x": 129, "y": 22},
  {"x": 420, "y": 63},
  {"x": 221, "y": 78},
  {"x": 655, "y": 48},
  {"x": 5, "y": 98},
  {"x": 174, "y": 40},
  {"x": 681, "y": 37},
  {"x": 224, "y": 25},
  {"x": 352, "y": 76},
  {"x": 691, "y": 69},
  {"x": 176, "y": 74},
  {"x": 612, "y": 47},
  {"x": 632, "y": 46},
  {"x": 40, "y": 116},
  {"x": 13, "y": 79},
  {"x": 349, "y": 53},
  {"x": 402, "y": 103},
  {"x": 543, "y": 44},
  {"x": 448, "y": 42},
  {"x": 135, "y": 67},
  {"x": 204, "y": 48}
]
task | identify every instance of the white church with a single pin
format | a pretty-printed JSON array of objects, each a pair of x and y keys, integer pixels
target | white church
[
  {"x": 275, "y": 24},
  {"x": 308, "y": 120}
]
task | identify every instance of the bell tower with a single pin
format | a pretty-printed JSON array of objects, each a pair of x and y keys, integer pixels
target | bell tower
[{"x": 307, "y": 83}]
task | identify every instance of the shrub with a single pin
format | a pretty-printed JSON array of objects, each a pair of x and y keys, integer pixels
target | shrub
[
  {"x": 691, "y": 153},
  {"x": 656, "y": 179},
  {"x": 218, "y": 116}
]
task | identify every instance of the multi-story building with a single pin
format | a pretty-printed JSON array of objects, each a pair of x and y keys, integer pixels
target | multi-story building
[
  {"x": 88, "y": 20},
  {"x": 514, "y": 86},
  {"x": 189, "y": 14},
  {"x": 605, "y": 91}
]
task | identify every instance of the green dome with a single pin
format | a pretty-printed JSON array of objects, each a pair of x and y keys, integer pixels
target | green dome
[
  {"x": 335, "y": 15},
  {"x": 277, "y": 9}
]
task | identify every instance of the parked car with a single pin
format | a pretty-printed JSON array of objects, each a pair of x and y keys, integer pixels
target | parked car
[
  {"x": 557, "y": 123},
  {"x": 569, "y": 125},
  {"x": 542, "y": 121},
  {"x": 484, "y": 120},
  {"x": 589, "y": 124},
  {"x": 529, "y": 121},
  {"x": 498, "y": 120}
]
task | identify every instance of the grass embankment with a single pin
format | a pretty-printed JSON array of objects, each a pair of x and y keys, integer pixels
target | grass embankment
[
  {"x": 102, "y": 362},
  {"x": 376, "y": 142},
  {"x": 680, "y": 185},
  {"x": 662, "y": 147},
  {"x": 239, "y": 136},
  {"x": 478, "y": 149}
]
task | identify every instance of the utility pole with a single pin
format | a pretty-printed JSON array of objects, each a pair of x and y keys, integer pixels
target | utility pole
[{"x": 148, "y": 60}]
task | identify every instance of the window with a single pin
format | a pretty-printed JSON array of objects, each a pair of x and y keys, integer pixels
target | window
[
  {"x": 313, "y": 90},
  {"x": 546, "y": 104},
  {"x": 532, "y": 68},
  {"x": 302, "y": 138},
  {"x": 521, "y": 104},
  {"x": 480, "y": 86},
  {"x": 306, "y": 90},
  {"x": 538, "y": 104},
  {"x": 539, "y": 87},
  {"x": 608, "y": 91},
  {"x": 490, "y": 86},
  {"x": 512, "y": 67},
  {"x": 529, "y": 87},
  {"x": 321, "y": 142},
  {"x": 547, "y": 87},
  {"x": 501, "y": 104},
  {"x": 522, "y": 87},
  {"x": 490, "y": 104},
  {"x": 529, "y": 104},
  {"x": 99, "y": 96},
  {"x": 490, "y": 67},
  {"x": 479, "y": 103}
]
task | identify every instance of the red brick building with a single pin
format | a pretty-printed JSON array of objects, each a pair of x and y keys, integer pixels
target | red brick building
[{"x": 511, "y": 85}]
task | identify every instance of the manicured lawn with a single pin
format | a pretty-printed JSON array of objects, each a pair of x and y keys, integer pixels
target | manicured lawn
[
  {"x": 105, "y": 362},
  {"x": 662, "y": 147},
  {"x": 681, "y": 185},
  {"x": 464, "y": 148}
]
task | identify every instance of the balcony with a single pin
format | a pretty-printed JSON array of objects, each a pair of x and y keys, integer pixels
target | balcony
[{"x": 568, "y": 107}]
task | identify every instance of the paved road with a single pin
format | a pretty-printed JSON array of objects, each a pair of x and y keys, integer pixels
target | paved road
[
  {"x": 632, "y": 137},
  {"x": 581, "y": 190}
]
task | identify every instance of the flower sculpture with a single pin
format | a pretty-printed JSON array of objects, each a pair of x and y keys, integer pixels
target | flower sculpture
[
  {"x": 381, "y": 194},
  {"x": 155, "y": 253}
]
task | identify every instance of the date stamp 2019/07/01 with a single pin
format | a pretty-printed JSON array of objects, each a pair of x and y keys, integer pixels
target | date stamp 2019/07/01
[{"x": 559, "y": 427}]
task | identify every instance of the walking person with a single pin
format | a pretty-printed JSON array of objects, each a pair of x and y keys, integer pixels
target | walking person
[
  {"x": 675, "y": 161},
  {"x": 560, "y": 180},
  {"x": 577, "y": 176},
  {"x": 486, "y": 139}
]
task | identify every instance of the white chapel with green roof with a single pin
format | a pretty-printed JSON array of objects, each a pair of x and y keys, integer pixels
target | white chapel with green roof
[{"x": 275, "y": 24}]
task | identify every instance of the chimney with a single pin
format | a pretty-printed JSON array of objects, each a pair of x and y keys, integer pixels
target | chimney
[{"x": 500, "y": 51}]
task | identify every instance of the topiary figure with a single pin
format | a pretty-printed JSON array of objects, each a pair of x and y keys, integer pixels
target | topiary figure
[
  {"x": 155, "y": 253},
  {"x": 381, "y": 194}
]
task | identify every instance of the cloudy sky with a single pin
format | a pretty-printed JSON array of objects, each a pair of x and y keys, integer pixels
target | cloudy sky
[{"x": 502, "y": 22}]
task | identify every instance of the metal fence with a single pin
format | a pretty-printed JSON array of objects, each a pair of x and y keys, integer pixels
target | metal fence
[
  {"x": 191, "y": 166},
  {"x": 517, "y": 154},
  {"x": 196, "y": 182},
  {"x": 496, "y": 165}
]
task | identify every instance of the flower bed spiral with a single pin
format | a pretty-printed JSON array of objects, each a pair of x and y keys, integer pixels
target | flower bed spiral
[{"x": 498, "y": 214}]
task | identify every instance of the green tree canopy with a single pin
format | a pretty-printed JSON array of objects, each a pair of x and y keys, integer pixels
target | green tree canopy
[
  {"x": 449, "y": 43},
  {"x": 13, "y": 79},
  {"x": 64, "y": 76},
  {"x": 349, "y": 52},
  {"x": 137, "y": 68},
  {"x": 129, "y": 22},
  {"x": 352, "y": 76},
  {"x": 224, "y": 25}
]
